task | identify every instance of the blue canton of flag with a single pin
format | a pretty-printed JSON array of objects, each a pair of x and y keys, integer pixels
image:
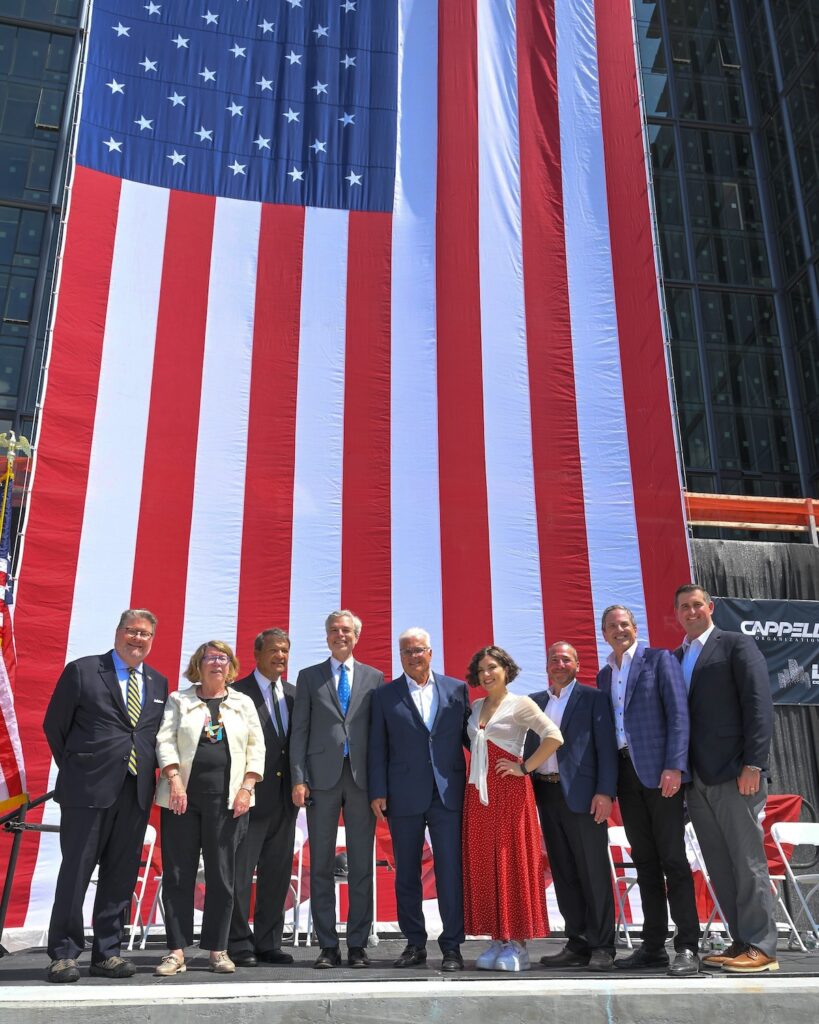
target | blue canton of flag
[{"x": 281, "y": 101}]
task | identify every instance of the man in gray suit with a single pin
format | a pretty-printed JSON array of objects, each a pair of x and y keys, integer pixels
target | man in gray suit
[{"x": 328, "y": 763}]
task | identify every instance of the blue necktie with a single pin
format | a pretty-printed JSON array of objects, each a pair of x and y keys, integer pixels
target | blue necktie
[
  {"x": 344, "y": 696},
  {"x": 689, "y": 660}
]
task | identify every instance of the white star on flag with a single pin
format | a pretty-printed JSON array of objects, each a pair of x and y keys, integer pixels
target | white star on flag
[
  {"x": 153, "y": 8},
  {"x": 149, "y": 65},
  {"x": 348, "y": 62},
  {"x": 235, "y": 109},
  {"x": 319, "y": 147},
  {"x": 236, "y": 167},
  {"x": 296, "y": 174},
  {"x": 346, "y": 119},
  {"x": 265, "y": 83},
  {"x": 122, "y": 30},
  {"x": 291, "y": 115},
  {"x": 177, "y": 100},
  {"x": 144, "y": 123},
  {"x": 116, "y": 86},
  {"x": 319, "y": 88},
  {"x": 265, "y": 26},
  {"x": 353, "y": 178},
  {"x": 262, "y": 142},
  {"x": 179, "y": 42},
  {"x": 176, "y": 158},
  {"x": 294, "y": 58},
  {"x": 205, "y": 134},
  {"x": 321, "y": 30},
  {"x": 210, "y": 18},
  {"x": 113, "y": 145},
  {"x": 207, "y": 75},
  {"x": 238, "y": 51}
]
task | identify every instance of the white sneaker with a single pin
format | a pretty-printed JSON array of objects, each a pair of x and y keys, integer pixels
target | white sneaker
[
  {"x": 486, "y": 961},
  {"x": 513, "y": 957}
]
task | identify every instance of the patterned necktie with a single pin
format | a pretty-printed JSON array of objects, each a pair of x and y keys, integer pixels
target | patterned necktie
[
  {"x": 274, "y": 700},
  {"x": 134, "y": 708},
  {"x": 344, "y": 697}
]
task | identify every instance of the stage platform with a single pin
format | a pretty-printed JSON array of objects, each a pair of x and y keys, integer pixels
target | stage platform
[{"x": 298, "y": 994}]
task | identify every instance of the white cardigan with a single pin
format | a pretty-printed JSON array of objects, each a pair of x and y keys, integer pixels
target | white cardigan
[{"x": 182, "y": 724}]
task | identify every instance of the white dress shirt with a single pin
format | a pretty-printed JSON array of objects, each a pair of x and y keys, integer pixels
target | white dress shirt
[
  {"x": 272, "y": 691},
  {"x": 554, "y": 709},
  {"x": 425, "y": 698},
  {"x": 619, "y": 682},
  {"x": 692, "y": 649}
]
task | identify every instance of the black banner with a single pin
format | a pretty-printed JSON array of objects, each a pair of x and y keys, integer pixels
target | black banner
[{"x": 787, "y": 633}]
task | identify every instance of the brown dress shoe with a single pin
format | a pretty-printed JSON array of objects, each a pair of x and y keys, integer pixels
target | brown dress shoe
[
  {"x": 752, "y": 961},
  {"x": 716, "y": 959}
]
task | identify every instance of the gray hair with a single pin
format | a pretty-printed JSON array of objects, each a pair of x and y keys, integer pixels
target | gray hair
[
  {"x": 563, "y": 643},
  {"x": 416, "y": 631},
  {"x": 136, "y": 613},
  {"x": 343, "y": 613},
  {"x": 277, "y": 634},
  {"x": 615, "y": 608}
]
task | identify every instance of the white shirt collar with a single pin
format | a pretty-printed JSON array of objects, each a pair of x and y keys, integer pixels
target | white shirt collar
[
  {"x": 612, "y": 660},
  {"x": 565, "y": 693},
  {"x": 699, "y": 639},
  {"x": 264, "y": 682},
  {"x": 335, "y": 665},
  {"x": 414, "y": 686}
]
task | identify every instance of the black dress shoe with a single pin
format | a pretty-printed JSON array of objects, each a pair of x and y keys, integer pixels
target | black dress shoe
[
  {"x": 62, "y": 971},
  {"x": 273, "y": 956},
  {"x": 600, "y": 960},
  {"x": 686, "y": 964},
  {"x": 113, "y": 967},
  {"x": 566, "y": 958},
  {"x": 413, "y": 956},
  {"x": 452, "y": 961},
  {"x": 643, "y": 957},
  {"x": 328, "y": 957},
  {"x": 244, "y": 958},
  {"x": 357, "y": 957}
]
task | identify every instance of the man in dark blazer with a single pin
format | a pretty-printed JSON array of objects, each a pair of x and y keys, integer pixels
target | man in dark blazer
[
  {"x": 417, "y": 776},
  {"x": 101, "y": 725},
  {"x": 267, "y": 847},
  {"x": 650, "y": 709},
  {"x": 328, "y": 763},
  {"x": 731, "y": 727},
  {"x": 574, "y": 790}
]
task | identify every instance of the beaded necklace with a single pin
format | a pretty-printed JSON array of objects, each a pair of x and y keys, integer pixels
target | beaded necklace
[{"x": 214, "y": 731}]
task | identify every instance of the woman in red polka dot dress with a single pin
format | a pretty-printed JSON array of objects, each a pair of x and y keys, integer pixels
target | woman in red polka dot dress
[{"x": 504, "y": 893}]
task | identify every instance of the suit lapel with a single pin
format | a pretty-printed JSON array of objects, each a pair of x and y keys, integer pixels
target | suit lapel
[
  {"x": 605, "y": 680},
  {"x": 403, "y": 689},
  {"x": 327, "y": 672},
  {"x": 357, "y": 691},
  {"x": 634, "y": 672},
  {"x": 108, "y": 674},
  {"x": 573, "y": 701},
  {"x": 442, "y": 700},
  {"x": 253, "y": 691},
  {"x": 707, "y": 653}
]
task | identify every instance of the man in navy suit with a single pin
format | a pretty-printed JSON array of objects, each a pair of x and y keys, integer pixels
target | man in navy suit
[
  {"x": 647, "y": 694},
  {"x": 574, "y": 790},
  {"x": 267, "y": 848},
  {"x": 417, "y": 776},
  {"x": 731, "y": 729},
  {"x": 101, "y": 725}
]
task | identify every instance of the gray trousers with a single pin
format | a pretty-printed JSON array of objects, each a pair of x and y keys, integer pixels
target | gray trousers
[
  {"x": 322, "y": 828},
  {"x": 730, "y": 837}
]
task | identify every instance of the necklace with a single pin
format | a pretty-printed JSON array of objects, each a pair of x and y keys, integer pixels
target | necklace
[{"x": 214, "y": 731}]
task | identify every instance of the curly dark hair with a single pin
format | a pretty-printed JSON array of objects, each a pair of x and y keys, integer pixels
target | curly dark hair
[{"x": 506, "y": 661}]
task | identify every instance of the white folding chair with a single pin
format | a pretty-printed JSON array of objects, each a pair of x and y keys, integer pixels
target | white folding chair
[
  {"x": 295, "y": 889},
  {"x": 697, "y": 862},
  {"x": 341, "y": 847},
  {"x": 622, "y": 883},
  {"x": 142, "y": 880},
  {"x": 797, "y": 833}
]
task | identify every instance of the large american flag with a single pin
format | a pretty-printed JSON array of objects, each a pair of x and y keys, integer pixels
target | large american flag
[{"x": 357, "y": 307}]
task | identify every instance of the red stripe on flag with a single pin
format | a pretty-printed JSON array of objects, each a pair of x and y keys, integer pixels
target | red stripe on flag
[
  {"x": 264, "y": 580},
  {"x": 466, "y": 589},
  {"x": 54, "y": 522},
  {"x": 160, "y": 568},
  {"x": 366, "y": 578},
  {"x": 9, "y": 767},
  {"x": 655, "y": 474},
  {"x": 564, "y": 555}
]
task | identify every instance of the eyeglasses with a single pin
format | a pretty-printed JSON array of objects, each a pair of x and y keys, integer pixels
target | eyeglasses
[
  {"x": 137, "y": 634},
  {"x": 413, "y": 650},
  {"x": 216, "y": 659}
]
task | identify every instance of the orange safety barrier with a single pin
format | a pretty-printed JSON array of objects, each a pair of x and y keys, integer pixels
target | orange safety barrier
[{"x": 741, "y": 512}]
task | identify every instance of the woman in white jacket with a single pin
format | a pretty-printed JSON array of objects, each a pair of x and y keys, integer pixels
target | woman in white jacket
[{"x": 210, "y": 750}]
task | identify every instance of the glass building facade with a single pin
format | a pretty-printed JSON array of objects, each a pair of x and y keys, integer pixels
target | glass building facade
[{"x": 731, "y": 91}]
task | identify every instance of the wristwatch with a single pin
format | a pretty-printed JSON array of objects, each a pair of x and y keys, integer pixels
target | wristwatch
[
  {"x": 247, "y": 789},
  {"x": 753, "y": 768}
]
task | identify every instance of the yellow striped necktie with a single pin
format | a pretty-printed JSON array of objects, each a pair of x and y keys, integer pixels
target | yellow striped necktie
[{"x": 134, "y": 708}]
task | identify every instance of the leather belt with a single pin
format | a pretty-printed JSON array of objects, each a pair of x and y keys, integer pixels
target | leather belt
[{"x": 551, "y": 777}]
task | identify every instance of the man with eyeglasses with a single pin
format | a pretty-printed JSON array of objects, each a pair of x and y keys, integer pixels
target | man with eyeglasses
[
  {"x": 101, "y": 725},
  {"x": 417, "y": 776}
]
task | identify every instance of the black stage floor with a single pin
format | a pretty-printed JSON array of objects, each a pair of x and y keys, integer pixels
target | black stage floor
[{"x": 28, "y": 968}]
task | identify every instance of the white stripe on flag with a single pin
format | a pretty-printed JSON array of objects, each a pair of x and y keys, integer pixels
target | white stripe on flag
[
  {"x": 214, "y": 556},
  {"x": 415, "y": 518},
  {"x": 315, "y": 574},
  {"x": 604, "y": 447},
  {"x": 517, "y": 606},
  {"x": 105, "y": 561}
]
